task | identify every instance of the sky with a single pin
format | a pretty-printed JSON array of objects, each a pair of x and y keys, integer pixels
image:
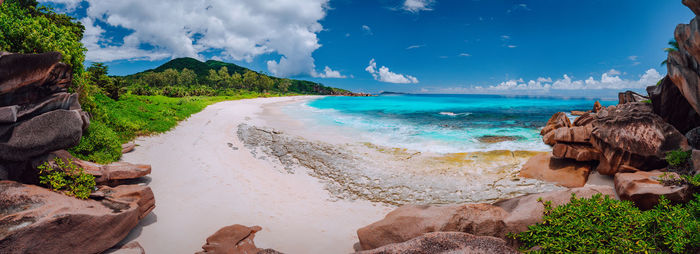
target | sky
[{"x": 523, "y": 47}]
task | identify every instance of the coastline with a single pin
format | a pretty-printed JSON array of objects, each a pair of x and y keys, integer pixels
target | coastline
[
  {"x": 206, "y": 177},
  {"x": 203, "y": 183}
]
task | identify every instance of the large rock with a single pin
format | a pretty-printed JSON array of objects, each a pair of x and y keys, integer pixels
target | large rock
[
  {"x": 37, "y": 220},
  {"x": 232, "y": 239},
  {"x": 575, "y": 151},
  {"x": 447, "y": 243},
  {"x": 562, "y": 172},
  {"x": 630, "y": 96},
  {"x": 694, "y": 5},
  {"x": 58, "y": 129},
  {"x": 631, "y": 135},
  {"x": 574, "y": 134},
  {"x": 508, "y": 216},
  {"x": 693, "y": 137},
  {"x": 597, "y": 107},
  {"x": 26, "y": 78},
  {"x": 668, "y": 102},
  {"x": 644, "y": 189},
  {"x": 586, "y": 119},
  {"x": 557, "y": 121},
  {"x": 117, "y": 171}
]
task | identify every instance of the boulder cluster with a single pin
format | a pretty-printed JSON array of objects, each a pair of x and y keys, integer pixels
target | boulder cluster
[{"x": 39, "y": 118}]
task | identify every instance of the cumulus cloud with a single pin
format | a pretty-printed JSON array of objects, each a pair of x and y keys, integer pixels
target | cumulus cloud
[
  {"x": 327, "y": 73},
  {"x": 384, "y": 75},
  {"x": 416, "y": 6},
  {"x": 609, "y": 80},
  {"x": 238, "y": 30}
]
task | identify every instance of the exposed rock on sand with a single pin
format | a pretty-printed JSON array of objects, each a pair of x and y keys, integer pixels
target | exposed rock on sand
[
  {"x": 632, "y": 135},
  {"x": 37, "y": 220},
  {"x": 644, "y": 189},
  {"x": 562, "y": 172},
  {"x": 234, "y": 239},
  {"x": 396, "y": 176},
  {"x": 446, "y": 242},
  {"x": 512, "y": 215}
]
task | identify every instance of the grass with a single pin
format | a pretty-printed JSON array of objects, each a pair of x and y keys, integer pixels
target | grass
[{"x": 120, "y": 121}]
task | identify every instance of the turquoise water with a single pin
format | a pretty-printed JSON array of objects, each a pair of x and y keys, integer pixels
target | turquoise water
[{"x": 444, "y": 123}]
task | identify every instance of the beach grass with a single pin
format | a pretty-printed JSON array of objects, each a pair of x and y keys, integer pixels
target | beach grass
[{"x": 120, "y": 121}]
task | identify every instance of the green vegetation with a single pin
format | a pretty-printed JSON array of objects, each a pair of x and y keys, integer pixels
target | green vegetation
[
  {"x": 673, "y": 46},
  {"x": 679, "y": 162},
  {"x": 26, "y": 28},
  {"x": 67, "y": 178},
  {"x": 152, "y": 101},
  {"x": 604, "y": 225},
  {"x": 189, "y": 77}
]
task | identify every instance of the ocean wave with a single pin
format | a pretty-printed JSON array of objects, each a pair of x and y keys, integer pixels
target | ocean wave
[{"x": 454, "y": 114}]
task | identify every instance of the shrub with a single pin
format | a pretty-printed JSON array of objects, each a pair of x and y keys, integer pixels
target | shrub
[
  {"x": 679, "y": 162},
  {"x": 99, "y": 144},
  {"x": 67, "y": 178},
  {"x": 604, "y": 225}
]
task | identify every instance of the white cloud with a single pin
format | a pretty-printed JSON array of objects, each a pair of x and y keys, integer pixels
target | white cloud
[
  {"x": 240, "y": 30},
  {"x": 609, "y": 80},
  {"x": 327, "y": 73},
  {"x": 367, "y": 29},
  {"x": 464, "y": 54},
  {"x": 384, "y": 75},
  {"x": 415, "y": 46},
  {"x": 512, "y": 46},
  {"x": 416, "y": 6},
  {"x": 613, "y": 72},
  {"x": 632, "y": 58}
]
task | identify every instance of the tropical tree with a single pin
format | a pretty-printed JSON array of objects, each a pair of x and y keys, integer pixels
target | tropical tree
[{"x": 673, "y": 47}]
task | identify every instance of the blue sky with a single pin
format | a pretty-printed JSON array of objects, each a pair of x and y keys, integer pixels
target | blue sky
[{"x": 438, "y": 46}]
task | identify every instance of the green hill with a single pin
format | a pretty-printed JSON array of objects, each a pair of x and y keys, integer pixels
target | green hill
[{"x": 235, "y": 78}]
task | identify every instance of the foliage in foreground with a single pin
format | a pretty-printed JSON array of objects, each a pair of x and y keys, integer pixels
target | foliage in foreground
[
  {"x": 67, "y": 178},
  {"x": 604, "y": 225}
]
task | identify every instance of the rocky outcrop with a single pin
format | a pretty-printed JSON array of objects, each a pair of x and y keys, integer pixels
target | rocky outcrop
[
  {"x": 645, "y": 189},
  {"x": 597, "y": 107},
  {"x": 234, "y": 239},
  {"x": 632, "y": 135},
  {"x": 37, "y": 220},
  {"x": 630, "y": 96},
  {"x": 446, "y": 242},
  {"x": 668, "y": 102},
  {"x": 513, "y": 215},
  {"x": 37, "y": 115},
  {"x": 562, "y": 172},
  {"x": 557, "y": 121},
  {"x": 693, "y": 137}
]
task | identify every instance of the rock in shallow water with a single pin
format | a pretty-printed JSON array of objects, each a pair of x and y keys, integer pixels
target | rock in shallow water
[
  {"x": 393, "y": 175},
  {"x": 37, "y": 220},
  {"x": 446, "y": 243}
]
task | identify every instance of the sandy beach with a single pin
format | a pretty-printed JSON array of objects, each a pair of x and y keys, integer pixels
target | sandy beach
[{"x": 205, "y": 179}]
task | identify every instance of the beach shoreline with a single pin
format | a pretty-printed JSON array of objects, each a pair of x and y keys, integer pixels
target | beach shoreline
[
  {"x": 205, "y": 179},
  {"x": 220, "y": 167}
]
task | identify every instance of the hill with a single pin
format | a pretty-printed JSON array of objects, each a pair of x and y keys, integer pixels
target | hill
[{"x": 209, "y": 74}]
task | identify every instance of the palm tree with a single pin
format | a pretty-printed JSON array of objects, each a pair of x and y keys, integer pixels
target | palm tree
[{"x": 673, "y": 47}]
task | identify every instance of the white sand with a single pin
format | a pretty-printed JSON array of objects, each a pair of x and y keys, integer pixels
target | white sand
[{"x": 201, "y": 184}]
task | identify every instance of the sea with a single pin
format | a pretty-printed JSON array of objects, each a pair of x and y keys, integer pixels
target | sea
[{"x": 440, "y": 123}]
